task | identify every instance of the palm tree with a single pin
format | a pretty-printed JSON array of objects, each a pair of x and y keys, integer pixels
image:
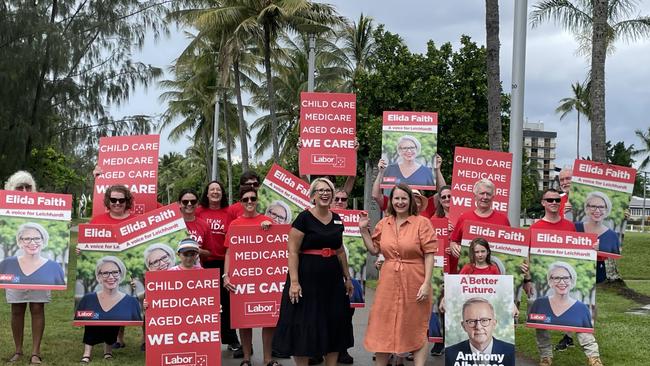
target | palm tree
[
  {"x": 495, "y": 136},
  {"x": 358, "y": 47},
  {"x": 579, "y": 102},
  {"x": 600, "y": 23},
  {"x": 264, "y": 20},
  {"x": 645, "y": 150}
]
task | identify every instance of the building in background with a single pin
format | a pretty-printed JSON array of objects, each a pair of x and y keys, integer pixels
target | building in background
[{"x": 540, "y": 148}]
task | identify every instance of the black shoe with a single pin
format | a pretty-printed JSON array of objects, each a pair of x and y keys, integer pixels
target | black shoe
[
  {"x": 234, "y": 346},
  {"x": 345, "y": 358},
  {"x": 438, "y": 349},
  {"x": 564, "y": 343},
  {"x": 315, "y": 360},
  {"x": 276, "y": 354}
]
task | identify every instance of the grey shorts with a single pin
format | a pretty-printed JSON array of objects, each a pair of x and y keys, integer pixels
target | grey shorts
[{"x": 15, "y": 296}]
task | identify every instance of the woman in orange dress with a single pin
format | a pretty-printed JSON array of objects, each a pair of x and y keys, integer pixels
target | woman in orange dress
[{"x": 399, "y": 317}]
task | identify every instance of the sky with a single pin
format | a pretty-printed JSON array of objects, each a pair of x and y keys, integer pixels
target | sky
[{"x": 552, "y": 65}]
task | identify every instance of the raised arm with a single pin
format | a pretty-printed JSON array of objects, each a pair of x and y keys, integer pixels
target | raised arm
[
  {"x": 366, "y": 235},
  {"x": 440, "y": 179},
  {"x": 377, "y": 194}
]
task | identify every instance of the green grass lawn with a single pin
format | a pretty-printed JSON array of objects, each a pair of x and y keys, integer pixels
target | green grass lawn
[{"x": 620, "y": 336}]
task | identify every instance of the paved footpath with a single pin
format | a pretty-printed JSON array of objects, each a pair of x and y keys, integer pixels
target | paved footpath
[{"x": 360, "y": 355}]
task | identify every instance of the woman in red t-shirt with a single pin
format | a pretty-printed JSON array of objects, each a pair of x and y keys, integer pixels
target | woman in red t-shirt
[
  {"x": 214, "y": 210},
  {"x": 480, "y": 261},
  {"x": 250, "y": 217}
]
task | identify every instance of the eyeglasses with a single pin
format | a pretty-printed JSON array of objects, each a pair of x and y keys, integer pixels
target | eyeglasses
[
  {"x": 553, "y": 200},
  {"x": 159, "y": 261},
  {"x": 252, "y": 184},
  {"x": 407, "y": 148},
  {"x": 277, "y": 217},
  {"x": 340, "y": 199},
  {"x": 190, "y": 253},
  {"x": 117, "y": 200},
  {"x": 323, "y": 191},
  {"x": 189, "y": 202},
  {"x": 483, "y": 321},
  {"x": 106, "y": 274},
  {"x": 35, "y": 240},
  {"x": 24, "y": 187},
  {"x": 558, "y": 279},
  {"x": 445, "y": 197},
  {"x": 249, "y": 199},
  {"x": 597, "y": 208}
]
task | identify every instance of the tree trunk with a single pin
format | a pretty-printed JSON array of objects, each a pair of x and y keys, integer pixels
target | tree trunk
[
  {"x": 269, "y": 87},
  {"x": 228, "y": 152},
  {"x": 597, "y": 89},
  {"x": 578, "y": 139},
  {"x": 243, "y": 129},
  {"x": 495, "y": 135}
]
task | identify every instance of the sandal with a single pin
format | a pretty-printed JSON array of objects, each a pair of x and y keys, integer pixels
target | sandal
[
  {"x": 117, "y": 345},
  {"x": 246, "y": 363},
  {"x": 108, "y": 356},
  {"x": 15, "y": 357},
  {"x": 85, "y": 360},
  {"x": 38, "y": 361},
  {"x": 274, "y": 363}
]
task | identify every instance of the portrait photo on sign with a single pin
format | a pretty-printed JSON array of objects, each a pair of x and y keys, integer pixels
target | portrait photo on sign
[
  {"x": 568, "y": 284},
  {"x": 33, "y": 253},
  {"x": 411, "y": 158},
  {"x": 479, "y": 323},
  {"x": 121, "y": 274},
  {"x": 280, "y": 209}
]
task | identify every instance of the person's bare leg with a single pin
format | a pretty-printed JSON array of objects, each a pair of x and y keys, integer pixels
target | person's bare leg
[
  {"x": 267, "y": 341},
  {"x": 18, "y": 327},
  {"x": 108, "y": 350},
  {"x": 420, "y": 356},
  {"x": 246, "y": 340},
  {"x": 120, "y": 337},
  {"x": 37, "y": 310},
  {"x": 88, "y": 350},
  {"x": 301, "y": 361},
  {"x": 381, "y": 359},
  {"x": 331, "y": 358}
]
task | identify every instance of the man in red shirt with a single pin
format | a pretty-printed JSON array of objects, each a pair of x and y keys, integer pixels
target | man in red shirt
[
  {"x": 248, "y": 178},
  {"x": 553, "y": 220},
  {"x": 483, "y": 197},
  {"x": 565, "y": 185}
]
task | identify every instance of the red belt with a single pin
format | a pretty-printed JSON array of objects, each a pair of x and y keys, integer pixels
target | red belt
[{"x": 325, "y": 252}]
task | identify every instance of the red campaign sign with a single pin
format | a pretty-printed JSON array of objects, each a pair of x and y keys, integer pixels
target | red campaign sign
[
  {"x": 472, "y": 165},
  {"x": 148, "y": 226},
  {"x": 258, "y": 270},
  {"x": 131, "y": 161},
  {"x": 182, "y": 319},
  {"x": 327, "y": 132},
  {"x": 350, "y": 220},
  {"x": 563, "y": 244},
  {"x": 288, "y": 185},
  {"x": 441, "y": 227},
  {"x": 36, "y": 205},
  {"x": 97, "y": 237},
  {"x": 618, "y": 178},
  {"x": 502, "y": 239}
]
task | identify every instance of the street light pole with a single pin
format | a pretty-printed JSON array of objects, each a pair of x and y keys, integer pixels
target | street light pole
[
  {"x": 517, "y": 112},
  {"x": 311, "y": 62},
  {"x": 645, "y": 184}
]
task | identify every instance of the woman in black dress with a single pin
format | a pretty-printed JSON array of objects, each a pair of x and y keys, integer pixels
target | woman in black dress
[{"x": 315, "y": 301}]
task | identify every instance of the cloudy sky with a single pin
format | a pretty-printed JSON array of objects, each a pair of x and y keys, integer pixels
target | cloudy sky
[{"x": 551, "y": 65}]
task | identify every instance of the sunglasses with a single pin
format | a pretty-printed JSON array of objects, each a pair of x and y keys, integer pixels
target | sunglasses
[
  {"x": 252, "y": 184},
  {"x": 117, "y": 200},
  {"x": 190, "y": 253},
  {"x": 553, "y": 200},
  {"x": 445, "y": 197},
  {"x": 189, "y": 202},
  {"x": 249, "y": 199},
  {"x": 340, "y": 199}
]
